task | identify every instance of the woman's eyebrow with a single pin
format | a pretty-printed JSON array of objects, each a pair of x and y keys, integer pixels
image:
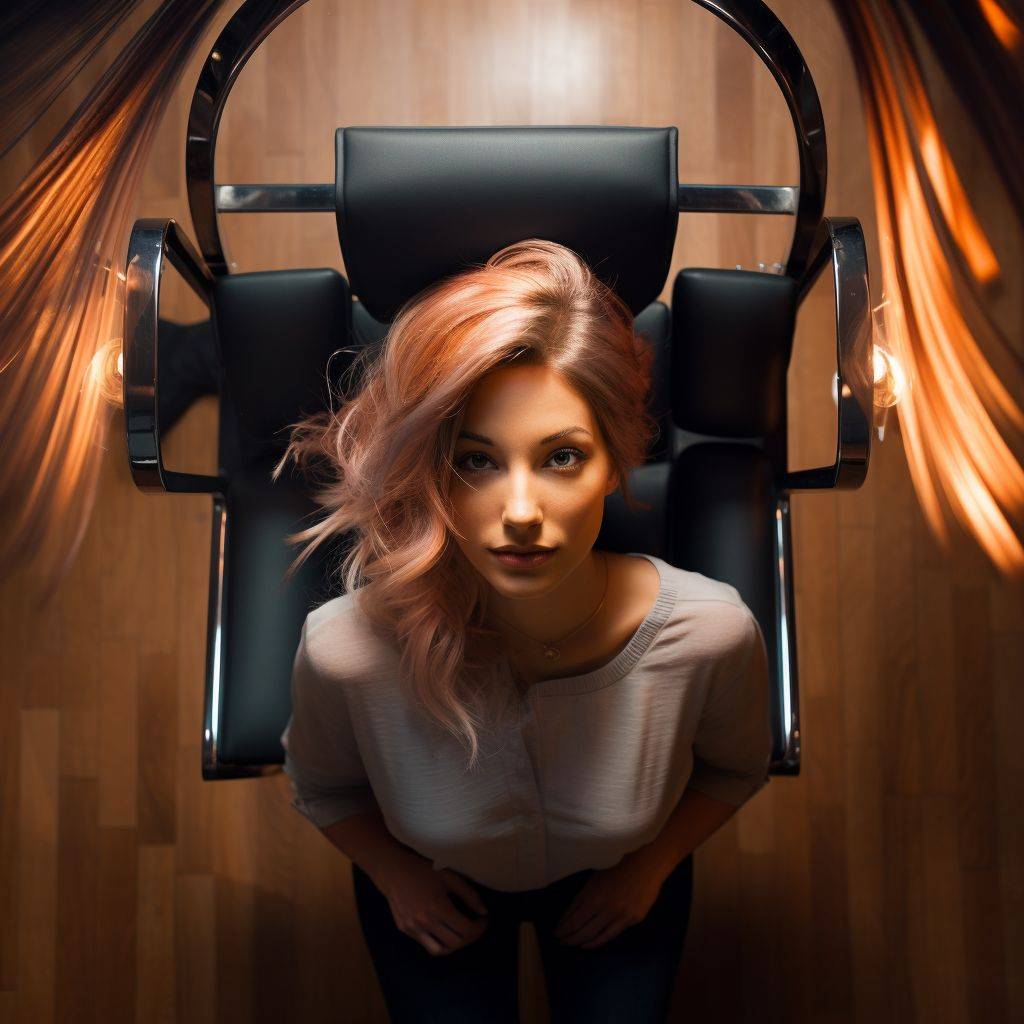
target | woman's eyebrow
[{"x": 480, "y": 439}]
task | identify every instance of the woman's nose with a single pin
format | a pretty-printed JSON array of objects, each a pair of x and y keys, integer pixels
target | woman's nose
[
  {"x": 521, "y": 507},
  {"x": 520, "y": 511}
]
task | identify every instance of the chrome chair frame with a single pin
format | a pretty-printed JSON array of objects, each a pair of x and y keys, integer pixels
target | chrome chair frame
[{"x": 815, "y": 240}]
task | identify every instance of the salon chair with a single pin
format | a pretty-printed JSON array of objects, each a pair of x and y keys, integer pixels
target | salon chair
[{"x": 415, "y": 204}]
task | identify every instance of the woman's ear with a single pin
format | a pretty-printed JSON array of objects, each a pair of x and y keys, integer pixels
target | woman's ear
[{"x": 613, "y": 481}]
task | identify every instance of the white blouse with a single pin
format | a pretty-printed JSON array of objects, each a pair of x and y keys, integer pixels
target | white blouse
[{"x": 591, "y": 770}]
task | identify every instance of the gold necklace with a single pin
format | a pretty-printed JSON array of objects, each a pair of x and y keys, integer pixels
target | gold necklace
[{"x": 551, "y": 651}]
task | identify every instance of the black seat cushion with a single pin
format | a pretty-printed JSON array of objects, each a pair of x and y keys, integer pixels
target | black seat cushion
[
  {"x": 721, "y": 504},
  {"x": 276, "y": 330},
  {"x": 263, "y": 615},
  {"x": 732, "y": 339}
]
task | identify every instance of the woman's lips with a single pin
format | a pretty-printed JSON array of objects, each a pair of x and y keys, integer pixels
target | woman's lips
[{"x": 523, "y": 561}]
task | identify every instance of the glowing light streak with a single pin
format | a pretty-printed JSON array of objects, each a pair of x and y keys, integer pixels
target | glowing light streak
[
  {"x": 1002, "y": 25},
  {"x": 63, "y": 230},
  {"x": 955, "y": 406}
]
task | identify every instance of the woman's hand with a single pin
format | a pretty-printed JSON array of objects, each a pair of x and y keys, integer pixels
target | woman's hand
[
  {"x": 422, "y": 908},
  {"x": 610, "y": 901}
]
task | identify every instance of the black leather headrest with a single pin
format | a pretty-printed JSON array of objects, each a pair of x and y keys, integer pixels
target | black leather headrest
[
  {"x": 732, "y": 336},
  {"x": 415, "y": 205}
]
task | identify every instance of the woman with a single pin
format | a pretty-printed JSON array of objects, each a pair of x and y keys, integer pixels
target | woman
[{"x": 613, "y": 707}]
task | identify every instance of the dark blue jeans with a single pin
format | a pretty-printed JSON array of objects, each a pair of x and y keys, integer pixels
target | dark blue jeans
[{"x": 628, "y": 978}]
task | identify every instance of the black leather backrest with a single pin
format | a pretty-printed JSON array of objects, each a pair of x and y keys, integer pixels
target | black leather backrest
[
  {"x": 365, "y": 329},
  {"x": 732, "y": 339},
  {"x": 654, "y": 325},
  {"x": 415, "y": 205},
  {"x": 276, "y": 330}
]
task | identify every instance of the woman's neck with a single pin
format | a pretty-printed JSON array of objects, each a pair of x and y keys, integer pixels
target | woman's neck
[{"x": 553, "y": 616}]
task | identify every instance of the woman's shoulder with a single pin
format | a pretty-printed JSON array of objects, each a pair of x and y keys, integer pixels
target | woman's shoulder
[
  {"x": 708, "y": 612},
  {"x": 695, "y": 586},
  {"x": 340, "y": 642},
  {"x": 337, "y": 608}
]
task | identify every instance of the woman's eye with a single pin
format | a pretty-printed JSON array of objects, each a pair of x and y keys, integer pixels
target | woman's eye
[
  {"x": 463, "y": 463},
  {"x": 466, "y": 461},
  {"x": 569, "y": 465}
]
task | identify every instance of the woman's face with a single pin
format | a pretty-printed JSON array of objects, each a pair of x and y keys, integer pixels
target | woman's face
[{"x": 516, "y": 483}]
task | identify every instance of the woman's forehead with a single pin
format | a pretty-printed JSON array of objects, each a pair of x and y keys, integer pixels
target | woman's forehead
[{"x": 533, "y": 394}]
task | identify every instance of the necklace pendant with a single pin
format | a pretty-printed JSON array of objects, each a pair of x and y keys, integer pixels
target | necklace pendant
[{"x": 550, "y": 653}]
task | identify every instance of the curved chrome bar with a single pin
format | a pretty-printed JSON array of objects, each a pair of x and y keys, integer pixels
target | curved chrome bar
[
  {"x": 751, "y": 19},
  {"x": 238, "y": 41},
  {"x": 768, "y": 38},
  {"x": 151, "y": 240},
  {"x": 843, "y": 239}
]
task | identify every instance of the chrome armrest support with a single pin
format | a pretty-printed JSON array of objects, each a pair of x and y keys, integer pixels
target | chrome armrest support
[
  {"x": 153, "y": 239},
  {"x": 843, "y": 239}
]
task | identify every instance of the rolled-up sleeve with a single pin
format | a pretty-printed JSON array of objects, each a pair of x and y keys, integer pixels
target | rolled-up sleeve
[
  {"x": 322, "y": 757},
  {"x": 733, "y": 743}
]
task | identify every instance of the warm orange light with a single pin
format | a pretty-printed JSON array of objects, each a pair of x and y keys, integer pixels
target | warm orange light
[
  {"x": 953, "y": 201},
  {"x": 888, "y": 376},
  {"x": 890, "y": 380},
  {"x": 1002, "y": 25},
  {"x": 63, "y": 236},
  {"x": 952, "y": 402}
]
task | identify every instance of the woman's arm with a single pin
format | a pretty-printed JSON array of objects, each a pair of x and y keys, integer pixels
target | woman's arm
[
  {"x": 695, "y": 818},
  {"x": 732, "y": 757},
  {"x": 366, "y": 841},
  {"x": 322, "y": 759}
]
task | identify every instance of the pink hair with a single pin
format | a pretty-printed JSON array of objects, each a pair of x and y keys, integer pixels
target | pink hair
[{"x": 390, "y": 453}]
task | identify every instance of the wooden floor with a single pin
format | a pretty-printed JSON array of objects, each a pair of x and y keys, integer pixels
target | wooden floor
[{"x": 883, "y": 884}]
